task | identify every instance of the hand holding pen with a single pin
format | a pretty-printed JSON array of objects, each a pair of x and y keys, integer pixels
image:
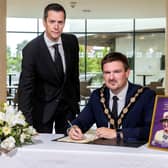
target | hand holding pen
[{"x": 75, "y": 132}]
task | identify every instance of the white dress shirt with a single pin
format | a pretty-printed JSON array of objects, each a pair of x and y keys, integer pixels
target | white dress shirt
[
  {"x": 121, "y": 99},
  {"x": 51, "y": 49}
]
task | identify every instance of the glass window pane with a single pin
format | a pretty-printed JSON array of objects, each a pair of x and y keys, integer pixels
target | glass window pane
[
  {"x": 150, "y": 24},
  {"x": 102, "y": 36},
  {"x": 99, "y": 44},
  {"x": 82, "y": 60},
  {"x": 109, "y": 25},
  {"x": 22, "y": 24},
  {"x": 149, "y": 57},
  {"x": 14, "y": 40},
  {"x": 41, "y": 27},
  {"x": 15, "y": 44},
  {"x": 74, "y": 25}
]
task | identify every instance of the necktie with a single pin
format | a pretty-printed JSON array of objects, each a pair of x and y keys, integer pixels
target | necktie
[
  {"x": 115, "y": 111},
  {"x": 58, "y": 62}
]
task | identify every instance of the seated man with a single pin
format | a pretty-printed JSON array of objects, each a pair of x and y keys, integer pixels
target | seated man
[
  {"x": 161, "y": 136},
  {"x": 134, "y": 105}
]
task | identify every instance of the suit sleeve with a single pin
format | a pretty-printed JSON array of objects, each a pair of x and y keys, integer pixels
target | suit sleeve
[
  {"x": 140, "y": 131},
  {"x": 26, "y": 83},
  {"x": 76, "y": 74}
]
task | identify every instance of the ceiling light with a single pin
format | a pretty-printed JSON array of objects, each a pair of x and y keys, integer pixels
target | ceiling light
[
  {"x": 73, "y": 4},
  {"x": 86, "y": 10}
]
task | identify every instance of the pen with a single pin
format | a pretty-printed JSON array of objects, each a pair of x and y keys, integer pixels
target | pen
[
  {"x": 76, "y": 130},
  {"x": 71, "y": 126},
  {"x": 69, "y": 123}
]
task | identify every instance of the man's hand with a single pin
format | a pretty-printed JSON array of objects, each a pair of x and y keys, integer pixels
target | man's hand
[
  {"x": 107, "y": 133},
  {"x": 75, "y": 133}
]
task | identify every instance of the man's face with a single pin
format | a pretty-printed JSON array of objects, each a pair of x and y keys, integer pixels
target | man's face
[
  {"x": 115, "y": 76},
  {"x": 54, "y": 24},
  {"x": 165, "y": 125}
]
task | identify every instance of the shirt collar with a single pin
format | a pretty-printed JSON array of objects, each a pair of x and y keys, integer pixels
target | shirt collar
[
  {"x": 49, "y": 42},
  {"x": 120, "y": 95}
]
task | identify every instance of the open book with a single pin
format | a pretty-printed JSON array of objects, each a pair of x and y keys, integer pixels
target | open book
[
  {"x": 88, "y": 137},
  {"x": 91, "y": 138}
]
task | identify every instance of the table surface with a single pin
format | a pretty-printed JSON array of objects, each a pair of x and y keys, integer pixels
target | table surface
[
  {"x": 93, "y": 87},
  {"x": 144, "y": 75},
  {"x": 45, "y": 153}
]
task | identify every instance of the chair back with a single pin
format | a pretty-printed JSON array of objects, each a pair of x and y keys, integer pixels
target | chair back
[{"x": 84, "y": 91}]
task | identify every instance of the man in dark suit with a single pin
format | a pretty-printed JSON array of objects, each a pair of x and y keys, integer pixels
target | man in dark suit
[
  {"x": 46, "y": 95},
  {"x": 134, "y": 105}
]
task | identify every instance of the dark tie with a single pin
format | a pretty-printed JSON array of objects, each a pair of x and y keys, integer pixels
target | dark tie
[
  {"x": 115, "y": 111},
  {"x": 58, "y": 62}
]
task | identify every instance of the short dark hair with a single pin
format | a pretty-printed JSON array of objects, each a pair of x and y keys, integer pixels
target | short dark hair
[
  {"x": 55, "y": 7},
  {"x": 115, "y": 56}
]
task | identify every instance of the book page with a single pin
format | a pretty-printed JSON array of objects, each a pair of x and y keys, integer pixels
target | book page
[{"x": 87, "y": 138}]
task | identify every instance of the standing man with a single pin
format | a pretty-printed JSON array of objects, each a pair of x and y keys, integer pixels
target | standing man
[
  {"x": 49, "y": 82},
  {"x": 119, "y": 108}
]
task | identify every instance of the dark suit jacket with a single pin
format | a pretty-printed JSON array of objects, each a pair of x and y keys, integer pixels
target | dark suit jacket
[
  {"x": 136, "y": 123},
  {"x": 40, "y": 89}
]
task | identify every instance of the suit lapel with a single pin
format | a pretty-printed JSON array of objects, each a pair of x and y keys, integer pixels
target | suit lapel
[
  {"x": 107, "y": 97},
  {"x": 66, "y": 53},
  {"x": 130, "y": 92},
  {"x": 133, "y": 93},
  {"x": 50, "y": 65}
]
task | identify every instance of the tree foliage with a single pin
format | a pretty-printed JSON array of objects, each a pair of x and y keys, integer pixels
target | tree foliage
[
  {"x": 91, "y": 63},
  {"x": 14, "y": 61}
]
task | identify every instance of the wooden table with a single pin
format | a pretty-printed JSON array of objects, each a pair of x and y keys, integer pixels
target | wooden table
[{"x": 144, "y": 77}]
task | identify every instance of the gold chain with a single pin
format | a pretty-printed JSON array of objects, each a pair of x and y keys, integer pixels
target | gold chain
[{"x": 125, "y": 109}]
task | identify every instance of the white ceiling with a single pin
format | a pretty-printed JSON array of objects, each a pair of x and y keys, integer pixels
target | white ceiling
[{"x": 99, "y": 8}]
